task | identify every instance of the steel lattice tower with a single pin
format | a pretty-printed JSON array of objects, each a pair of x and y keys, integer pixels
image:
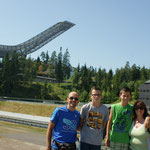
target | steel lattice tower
[{"x": 37, "y": 41}]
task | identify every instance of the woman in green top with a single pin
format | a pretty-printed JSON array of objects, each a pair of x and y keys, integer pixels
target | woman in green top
[{"x": 139, "y": 135}]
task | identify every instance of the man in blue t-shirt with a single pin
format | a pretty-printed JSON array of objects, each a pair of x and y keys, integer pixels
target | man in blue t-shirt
[{"x": 63, "y": 125}]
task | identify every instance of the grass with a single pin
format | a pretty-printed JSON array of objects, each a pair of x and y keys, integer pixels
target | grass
[{"x": 29, "y": 108}]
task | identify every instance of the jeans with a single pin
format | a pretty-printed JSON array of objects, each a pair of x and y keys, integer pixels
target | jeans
[{"x": 86, "y": 146}]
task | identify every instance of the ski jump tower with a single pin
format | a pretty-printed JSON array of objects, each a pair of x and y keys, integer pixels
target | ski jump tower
[{"x": 37, "y": 41}]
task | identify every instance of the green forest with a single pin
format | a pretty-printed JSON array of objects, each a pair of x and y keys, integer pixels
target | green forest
[{"x": 18, "y": 78}]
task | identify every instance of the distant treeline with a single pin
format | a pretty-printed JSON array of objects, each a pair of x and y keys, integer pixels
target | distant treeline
[{"x": 18, "y": 73}]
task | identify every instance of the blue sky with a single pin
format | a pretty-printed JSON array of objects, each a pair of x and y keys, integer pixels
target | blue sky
[{"x": 107, "y": 34}]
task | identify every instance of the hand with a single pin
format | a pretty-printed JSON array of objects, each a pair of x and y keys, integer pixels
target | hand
[
  {"x": 107, "y": 142},
  {"x": 48, "y": 148},
  {"x": 147, "y": 122}
]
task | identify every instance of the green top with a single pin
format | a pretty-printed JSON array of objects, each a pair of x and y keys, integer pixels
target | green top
[{"x": 121, "y": 123}]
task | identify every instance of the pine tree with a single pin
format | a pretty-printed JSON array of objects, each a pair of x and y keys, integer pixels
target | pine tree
[
  {"x": 44, "y": 91},
  {"x": 99, "y": 78},
  {"x": 10, "y": 70},
  {"x": 76, "y": 75},
  {"x": 43, "y": 56},
  {"x": 47, "y": 58},
  {"x": 84, "y": 78},
  {"x": 29, "y": 72},
  {"x": 59, "y": 67},
  {"x": 52, "y": 65},
  {"x": 66, "y": 65}
]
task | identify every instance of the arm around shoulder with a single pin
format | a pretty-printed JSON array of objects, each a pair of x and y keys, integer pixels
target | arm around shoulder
[
  {"x": 107, "y": 142},
  {"x": 147, "y": 122},
  {"x": 82, "y": 116},
  {"x": 80, "y": 124}
]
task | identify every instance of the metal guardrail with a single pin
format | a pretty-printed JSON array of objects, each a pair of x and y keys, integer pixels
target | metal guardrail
[
  {"x": 24, "y": 122},
  {"x": 31, "y": 120}
]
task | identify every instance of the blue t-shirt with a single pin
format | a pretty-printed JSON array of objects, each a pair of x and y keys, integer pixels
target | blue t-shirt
[{"x": 66, "y": 123}]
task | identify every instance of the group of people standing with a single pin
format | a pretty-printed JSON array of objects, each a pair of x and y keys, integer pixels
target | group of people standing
[{"x": 127, "y": 125}]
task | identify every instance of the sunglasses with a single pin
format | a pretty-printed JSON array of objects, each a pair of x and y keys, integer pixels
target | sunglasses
[
  {"x": 141, "y": 108},
  {"x": 75, "y": 98}
]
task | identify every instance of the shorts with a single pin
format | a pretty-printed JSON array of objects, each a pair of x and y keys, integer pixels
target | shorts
[{"x": 118, "y": 146}]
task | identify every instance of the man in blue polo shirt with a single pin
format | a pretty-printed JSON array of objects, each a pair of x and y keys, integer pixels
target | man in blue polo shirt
[{"x": 63, "y": 125}]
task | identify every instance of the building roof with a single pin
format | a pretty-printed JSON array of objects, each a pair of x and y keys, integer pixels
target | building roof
[{"x": 147, "y": 82}]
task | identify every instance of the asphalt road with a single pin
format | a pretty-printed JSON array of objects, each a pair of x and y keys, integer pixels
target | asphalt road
[{"x": 16, "y": 138}]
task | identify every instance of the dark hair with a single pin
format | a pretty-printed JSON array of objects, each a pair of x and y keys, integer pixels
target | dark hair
[
  {"x": 95, "y": 88},
  {"x": 140, "y": 103},
  {"x": 125, "y": 89}
]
